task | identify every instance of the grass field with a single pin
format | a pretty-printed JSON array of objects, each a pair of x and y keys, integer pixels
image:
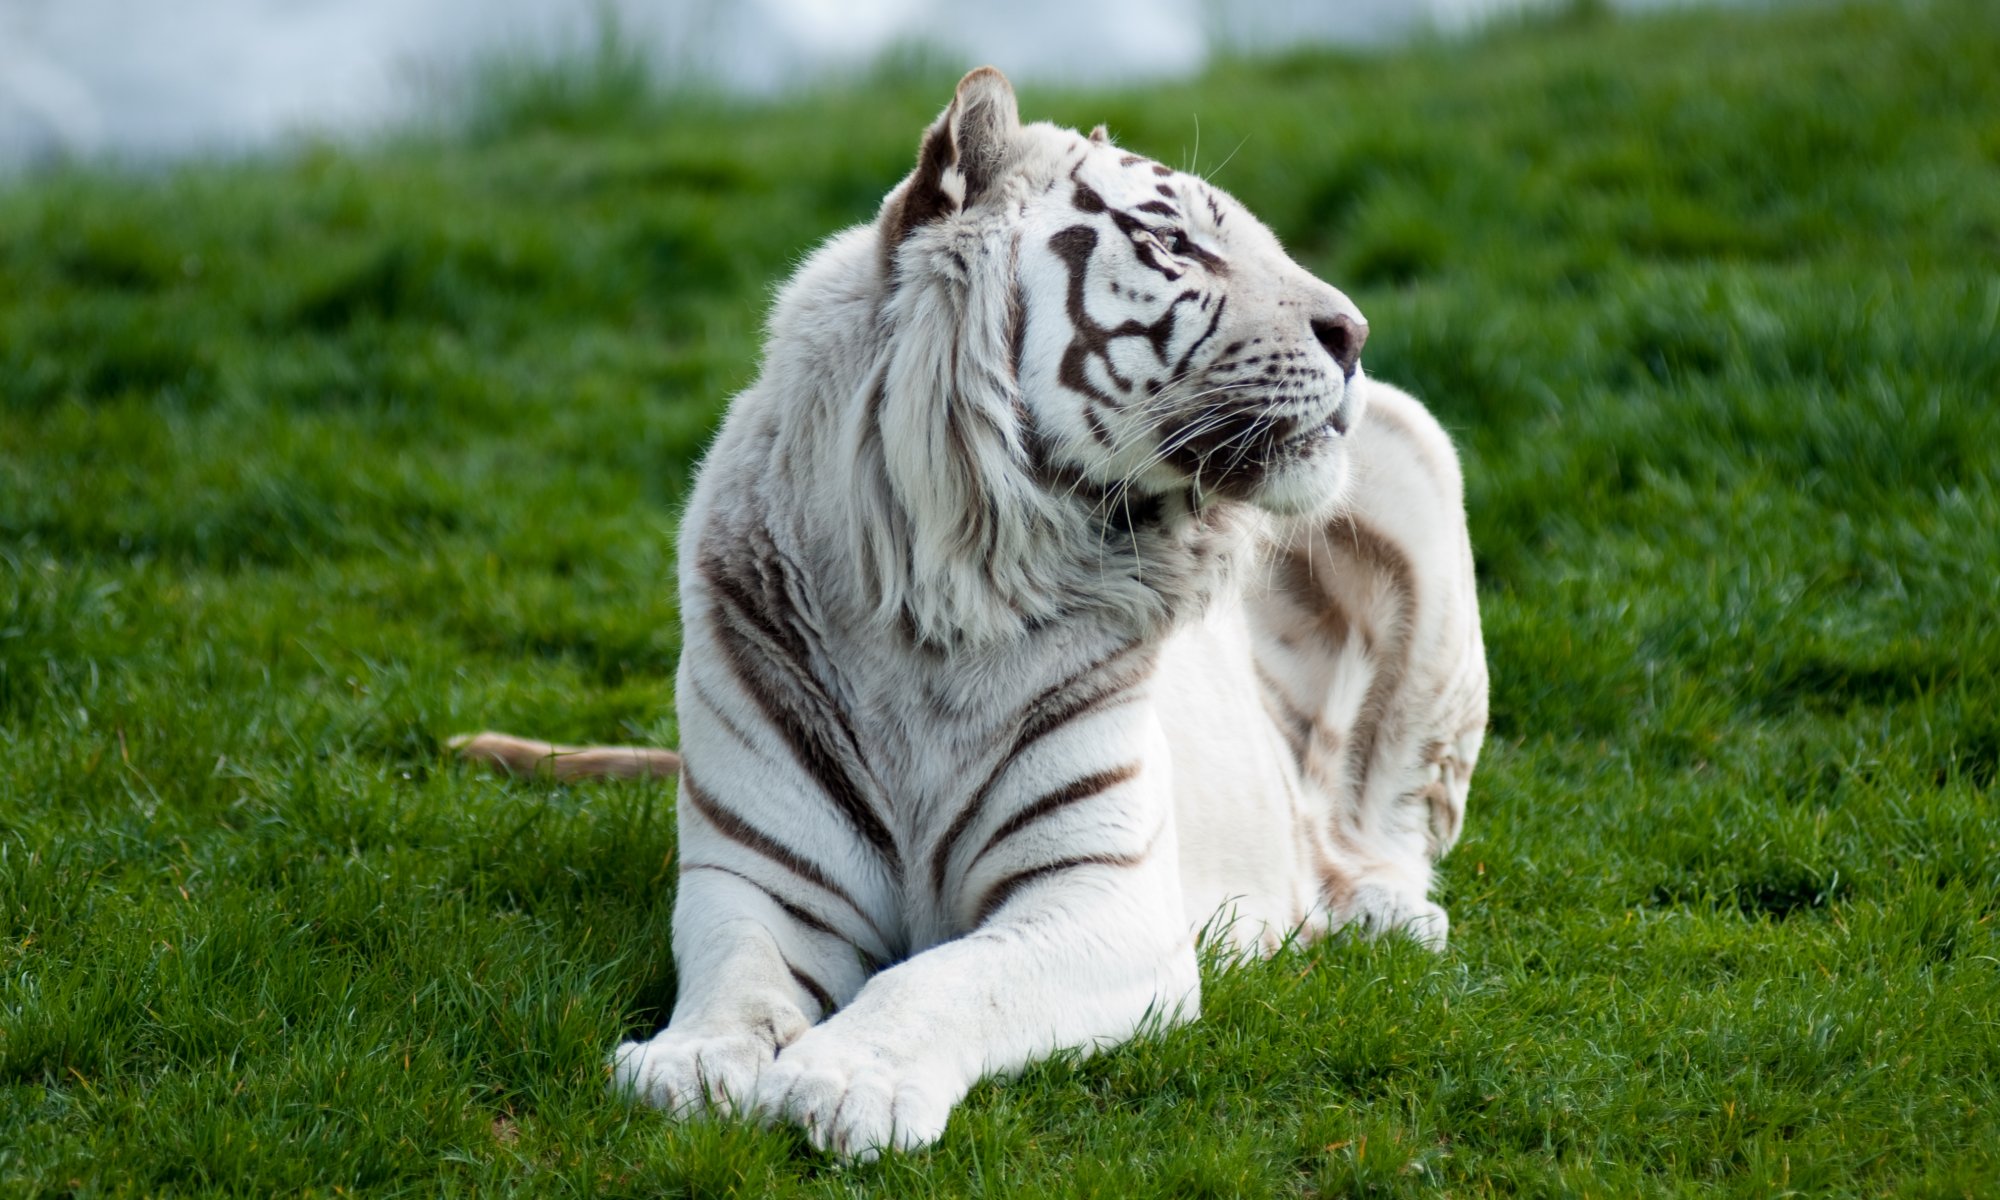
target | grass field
[{"x": 307, "y": 464}]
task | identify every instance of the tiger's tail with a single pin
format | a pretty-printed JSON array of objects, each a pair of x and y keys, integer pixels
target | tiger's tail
[{"x": 526, "y": 756}]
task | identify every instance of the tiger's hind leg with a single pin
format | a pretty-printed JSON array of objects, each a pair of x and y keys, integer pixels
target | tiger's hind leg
[
  {"x": 527, "y": 756},
  {"x": 1367, "y": 643}
]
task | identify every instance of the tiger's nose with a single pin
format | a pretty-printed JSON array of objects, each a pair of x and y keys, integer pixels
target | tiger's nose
[{"x": 1341, "y": 336}]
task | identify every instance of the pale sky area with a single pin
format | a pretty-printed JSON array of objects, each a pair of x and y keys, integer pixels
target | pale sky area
[{"x": 165, "y": 78}]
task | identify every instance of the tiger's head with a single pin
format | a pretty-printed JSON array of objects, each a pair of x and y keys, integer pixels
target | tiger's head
[
  {"x": 1067, "y": 319},
  {"x": 1159, "y": 336}
]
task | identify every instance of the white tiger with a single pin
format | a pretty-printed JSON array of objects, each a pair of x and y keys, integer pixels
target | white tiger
[{"x": 1061, "y": 588}]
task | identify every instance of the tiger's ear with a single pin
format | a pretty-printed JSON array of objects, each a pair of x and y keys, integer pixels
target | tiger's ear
[
  {"x": 963, "y": 152},
  {"x": 1100, "y": 135}
]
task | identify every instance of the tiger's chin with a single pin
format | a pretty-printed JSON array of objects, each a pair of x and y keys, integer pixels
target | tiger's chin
[
  {"x": 1310, "y": 483},
  {"x": 1308, "y": 473}
]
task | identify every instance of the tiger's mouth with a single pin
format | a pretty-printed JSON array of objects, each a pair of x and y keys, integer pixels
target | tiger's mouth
[
  {"x": 1335, "y": 424},
  {"x": 1300, "y": 469},
  {"x": 1239, "y": 457}
]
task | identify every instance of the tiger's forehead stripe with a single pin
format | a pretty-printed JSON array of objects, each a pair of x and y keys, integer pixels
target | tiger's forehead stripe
[
  {"x": 1086, "y": 199},
  {"x": 1216, "y": 213}
]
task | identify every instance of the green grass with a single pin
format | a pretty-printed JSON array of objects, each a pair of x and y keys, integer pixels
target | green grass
[{"x": 306, "y": 464}]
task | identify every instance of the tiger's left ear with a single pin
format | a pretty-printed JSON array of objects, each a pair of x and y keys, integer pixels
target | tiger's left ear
[{"x": 963, "y": 153}]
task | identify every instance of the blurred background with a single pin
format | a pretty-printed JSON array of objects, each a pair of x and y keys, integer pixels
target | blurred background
[
  {"x": 363, "y": 412},
  {"x": 89, "y": 78}
]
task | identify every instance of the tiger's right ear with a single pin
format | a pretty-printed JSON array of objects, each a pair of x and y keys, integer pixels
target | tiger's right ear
[{"x": 963, "y": 152}]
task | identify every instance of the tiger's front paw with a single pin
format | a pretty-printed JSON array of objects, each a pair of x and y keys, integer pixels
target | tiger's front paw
[
  {"x": 687, "y": 1074},
  {"x": 853, "y": 1099},
  {"x": 1379, "y": 910}
]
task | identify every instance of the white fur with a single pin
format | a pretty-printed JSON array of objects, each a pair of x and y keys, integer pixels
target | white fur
[{"x": 883, "y": 496}]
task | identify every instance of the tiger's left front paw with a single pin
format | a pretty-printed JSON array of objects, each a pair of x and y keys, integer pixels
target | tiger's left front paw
[
  {"x": 853, "y": 1099},
  {"x": 1378, "y": 910}
]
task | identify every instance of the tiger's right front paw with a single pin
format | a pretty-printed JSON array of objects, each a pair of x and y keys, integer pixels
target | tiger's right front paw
[
  {"x": 855, "y": 1100},
  {"x": 688, "y": 1074}
]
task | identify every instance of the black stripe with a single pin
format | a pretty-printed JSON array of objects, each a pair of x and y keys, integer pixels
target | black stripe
[
  {"x": 1074, "y": 792},
  {"x": 1075, "y": 246},
  {"x": 803, "y": 916},
  {"x": 790, "y": 703},
  {"x": 737, "y": 830},
  {"x": 1089, "y": 201},
  {"x": 1215, "y": 319},
  {"x": 1098, "y": 429},
  {"x": 1057, "y": 706},
  {"x": 811, "y": 748},
  {"x": 1004, "y": 890},
  {"x": 735, "y": 731},
  {"x": 820, "y": 995},
  {"x": 1017, "y": 327}
]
